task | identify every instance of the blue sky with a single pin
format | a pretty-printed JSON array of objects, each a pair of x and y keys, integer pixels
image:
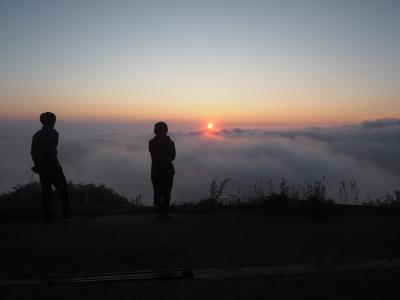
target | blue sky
[{"x": 295, "y": 62}]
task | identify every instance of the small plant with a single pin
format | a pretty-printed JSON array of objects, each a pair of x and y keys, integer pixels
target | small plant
[
  {"x": 216, "y": 191},
  {"x": 343, "y": 192},
  {"x": 278, "y": 202},
  {"x": 215, "y": 199},
  {"x": 390, "y": 200},
  {"x": 306, "y": 199},
  {"x": 355, "y": 192}
]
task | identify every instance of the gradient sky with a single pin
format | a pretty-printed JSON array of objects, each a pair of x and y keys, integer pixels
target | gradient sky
[{"x": 238, "y": 62}]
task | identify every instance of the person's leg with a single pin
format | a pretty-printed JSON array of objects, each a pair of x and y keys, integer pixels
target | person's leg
[
  {"x": 157, "y": 195},
  {"x": 60, "y": 183},
  {"x": 45, "y": 181},
  {"x": 167, "y": 188}
]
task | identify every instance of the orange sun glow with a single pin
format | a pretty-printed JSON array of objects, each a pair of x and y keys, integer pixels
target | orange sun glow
[{"x": 210, "y": 126}]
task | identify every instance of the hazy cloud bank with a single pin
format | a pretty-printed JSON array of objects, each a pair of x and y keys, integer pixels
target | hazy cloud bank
[{"x": 366, "y": 153}]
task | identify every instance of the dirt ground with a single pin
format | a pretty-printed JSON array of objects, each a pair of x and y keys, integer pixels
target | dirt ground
[
  {"x": 210, "y": 240},
  {"x": 376, "y": 284}
]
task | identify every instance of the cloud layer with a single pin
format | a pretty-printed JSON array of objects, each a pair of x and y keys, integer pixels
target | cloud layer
[{"x": 366, "y": 153}]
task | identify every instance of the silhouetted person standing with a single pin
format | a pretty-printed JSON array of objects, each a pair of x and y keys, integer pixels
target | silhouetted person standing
[
  {"x": 162, "y": 150},
  {"x": 44, "y": 156}
]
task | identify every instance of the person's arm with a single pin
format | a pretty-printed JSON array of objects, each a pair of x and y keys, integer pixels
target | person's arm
[
  {"x": 55, "y": 141},
  {"x": 173, "y": 151},
  {"x": 34, "y": 151},
  {"x": 151, "y": 149}
]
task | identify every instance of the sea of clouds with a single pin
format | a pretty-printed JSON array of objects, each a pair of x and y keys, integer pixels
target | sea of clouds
[{"x": 366, "y": 153}]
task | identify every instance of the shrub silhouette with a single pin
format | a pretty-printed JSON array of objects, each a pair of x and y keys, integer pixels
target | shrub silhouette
[
  {"x": 215, "y": 199},
  {"x": 24, "y": 201},
  {"x": 389, "y": 200}
]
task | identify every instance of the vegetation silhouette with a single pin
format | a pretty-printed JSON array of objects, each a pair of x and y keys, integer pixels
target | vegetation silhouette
[
  {"x": 309, "y": 200},
  {"x": 86, "y": 200}
]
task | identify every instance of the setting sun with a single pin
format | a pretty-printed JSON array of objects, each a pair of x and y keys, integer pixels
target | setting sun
[{"x": 210, "y": 125}]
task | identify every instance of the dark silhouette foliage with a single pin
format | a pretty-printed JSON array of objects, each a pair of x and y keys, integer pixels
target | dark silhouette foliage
[{"x": 24, "y": 201}]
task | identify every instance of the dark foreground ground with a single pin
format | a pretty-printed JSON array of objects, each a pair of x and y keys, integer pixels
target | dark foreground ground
[
  {"x": 212, "y": 240},
  {"x": 350, "y": 285}
]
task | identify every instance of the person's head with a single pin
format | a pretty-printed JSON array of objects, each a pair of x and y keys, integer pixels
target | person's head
[
  {"x": 48, "y": 119},
  {"x": 161, "y": 128}
]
